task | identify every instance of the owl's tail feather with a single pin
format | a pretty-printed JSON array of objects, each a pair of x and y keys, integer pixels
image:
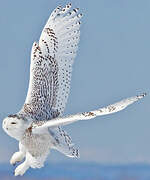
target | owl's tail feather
[{"x": 62, "y": 142}]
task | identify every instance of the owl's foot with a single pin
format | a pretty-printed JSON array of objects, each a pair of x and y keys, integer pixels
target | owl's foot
[
  {"x": 17, "y": 157},
  {"x": 21, "y": 169}
]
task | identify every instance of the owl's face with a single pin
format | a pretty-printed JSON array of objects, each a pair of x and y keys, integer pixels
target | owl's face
[{"x": 14, "y": 127}]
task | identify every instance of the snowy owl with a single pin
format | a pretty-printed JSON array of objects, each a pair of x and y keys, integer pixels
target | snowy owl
[{"x": 37, "y": 126}]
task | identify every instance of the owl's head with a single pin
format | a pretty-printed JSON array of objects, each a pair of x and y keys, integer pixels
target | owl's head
[{"x": 15, "y": 126}]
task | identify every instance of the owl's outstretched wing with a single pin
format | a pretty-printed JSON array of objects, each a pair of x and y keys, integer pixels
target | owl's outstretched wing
[
  {"x": 51, "y": 65},
  {"x": 38, "y": 128}
]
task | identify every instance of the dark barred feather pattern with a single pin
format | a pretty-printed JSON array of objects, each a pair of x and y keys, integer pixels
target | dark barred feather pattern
[{"x": 51, "y": 65}]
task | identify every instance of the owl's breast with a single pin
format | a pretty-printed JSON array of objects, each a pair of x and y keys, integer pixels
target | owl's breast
[{"x": 37, "y": 144}]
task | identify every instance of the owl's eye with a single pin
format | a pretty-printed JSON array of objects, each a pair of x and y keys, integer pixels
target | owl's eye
[{"x": 13, "y": 123}]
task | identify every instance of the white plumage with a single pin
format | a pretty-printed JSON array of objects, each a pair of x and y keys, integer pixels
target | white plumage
[
  {"x": 37, "y": 125},
  {"x": 51, "y": 64}
]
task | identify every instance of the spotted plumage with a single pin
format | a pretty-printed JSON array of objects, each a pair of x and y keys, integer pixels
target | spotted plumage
[{"x": 37, "y": 126}]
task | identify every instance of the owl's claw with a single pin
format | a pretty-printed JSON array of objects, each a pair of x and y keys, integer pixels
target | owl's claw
[
  {"x": 21, "y": 169},
  {"x": 17, "y": 157}
]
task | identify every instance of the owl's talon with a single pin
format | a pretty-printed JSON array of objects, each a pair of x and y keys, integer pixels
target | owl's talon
[
  {"x": 17, "y": 157},
  {"x": 21, "y": 169}
]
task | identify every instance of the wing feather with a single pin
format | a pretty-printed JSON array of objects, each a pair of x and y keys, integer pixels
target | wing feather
[
  {"x": 87, "y": 115},
  {"x": 51, "y": 65}
]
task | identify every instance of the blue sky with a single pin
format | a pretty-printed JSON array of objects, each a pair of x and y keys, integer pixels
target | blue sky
[{"x": 113, "y": 62}]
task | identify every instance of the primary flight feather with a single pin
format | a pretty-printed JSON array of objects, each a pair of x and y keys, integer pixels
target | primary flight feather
[{"x": 37, "y": 126}]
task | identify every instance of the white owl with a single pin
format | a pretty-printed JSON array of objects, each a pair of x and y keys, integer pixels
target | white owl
[{"x": 37, "y": 125}]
